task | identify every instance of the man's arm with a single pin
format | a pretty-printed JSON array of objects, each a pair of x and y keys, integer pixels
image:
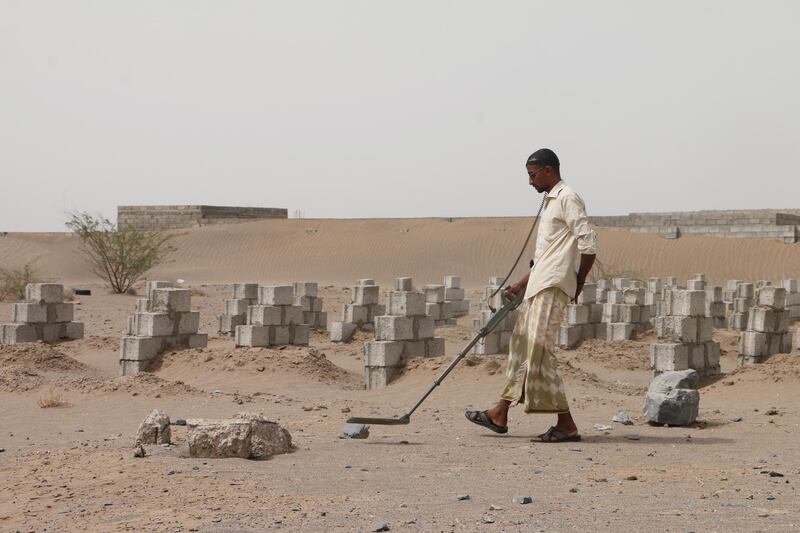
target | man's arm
[
  {"x": 578, "y": 222},
  {"x": 587, "y": 261},
  {"x": 517, "y": 288}
]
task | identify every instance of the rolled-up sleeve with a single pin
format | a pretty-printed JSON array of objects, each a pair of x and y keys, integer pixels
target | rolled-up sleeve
[{"x": 578, "y": 221}]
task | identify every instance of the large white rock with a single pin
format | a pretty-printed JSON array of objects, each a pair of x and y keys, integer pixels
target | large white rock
[
  {"x": 154, "y": 429},
  {"x": 247, "y": 436},
  {"x": 673, "y": 399}
]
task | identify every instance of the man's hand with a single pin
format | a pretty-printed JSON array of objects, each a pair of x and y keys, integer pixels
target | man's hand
[
  {"x": 579, "y": 290},
  {"x": 512, "y": 291}
]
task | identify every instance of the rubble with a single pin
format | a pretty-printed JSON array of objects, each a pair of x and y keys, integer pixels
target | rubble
[
  {"x": 154, "y": 429},
  {"x": 246, "y": 436}
]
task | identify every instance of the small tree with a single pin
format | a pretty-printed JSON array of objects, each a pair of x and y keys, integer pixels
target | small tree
[
  {"x": 119, "y": 255},
  {"x": 14, "y": 280}
]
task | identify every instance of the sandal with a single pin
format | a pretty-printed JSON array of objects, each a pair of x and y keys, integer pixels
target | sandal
[
  {"x": 481, "y": 418},
  {"x": 556, "y": 435}
]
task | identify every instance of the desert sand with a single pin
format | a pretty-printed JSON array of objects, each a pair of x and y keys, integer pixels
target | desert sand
[{"x": 72, "y": 467}]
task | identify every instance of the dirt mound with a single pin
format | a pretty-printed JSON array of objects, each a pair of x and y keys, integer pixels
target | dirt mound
[
  {"x": 18, "y": 378},
  {"x": 301, "y": 360},
  {"x": 143, "y": 383},
  {"x": 39, "y": 356},
  {"x": 777, "y": 368},
  {"x": 620, "y": 355}
]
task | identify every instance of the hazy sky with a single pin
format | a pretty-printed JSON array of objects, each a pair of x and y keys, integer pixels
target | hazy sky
[{"x": 393, "y": 109}]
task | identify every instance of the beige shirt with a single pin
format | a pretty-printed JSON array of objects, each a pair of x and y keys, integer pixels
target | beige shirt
[{"x": 564, "y": 234}]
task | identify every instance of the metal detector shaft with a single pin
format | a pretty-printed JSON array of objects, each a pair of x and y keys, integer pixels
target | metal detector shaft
[{"x": 499, "y": 316}]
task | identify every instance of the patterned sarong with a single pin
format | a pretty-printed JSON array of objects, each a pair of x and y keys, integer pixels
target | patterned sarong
[{"x": 532, "y": 373}]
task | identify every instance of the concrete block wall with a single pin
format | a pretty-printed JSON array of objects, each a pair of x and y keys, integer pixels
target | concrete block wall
[
  {"x": 43, "y": 316},
  {"x": 767, "y": 326},
  {"x": 498, "y": 340},
  {"x": 274, "y": 320},
  {"x": 163, "y": 321},
  {"x": 404, "y": 331},
  {"x": 625, "y": 312},
  {"x": 684, "y": 332},
  {"x": 360, "y": 313},
  {"x": 165, "y": 217}
]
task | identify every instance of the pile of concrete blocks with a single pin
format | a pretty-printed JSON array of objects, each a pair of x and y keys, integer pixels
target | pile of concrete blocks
[
  {"x": 715, "y": 307},
  {"x": 792, "y": 298},
  {"x": 405, "y": 331},
  {"x": 360, "y": 313},
  {"x": 741, "y": 302},
  {"x": 684, "y": 332},
  {"x": 767, "y": 327},
  {"x": 305, "y": 296},
  {"x": 446, "y": 303},
  {"x": 163, "y": 321},
  {"x": 582, "y": 320},
  {"x": 498, "y": 340},
  {"x": 625, "y": 312},
  {"x": 244, "y": 295},
  {"x": 43, "y": 316},
  {"x": 274, "y": 320},
  {"x": 656, "y": 289}
]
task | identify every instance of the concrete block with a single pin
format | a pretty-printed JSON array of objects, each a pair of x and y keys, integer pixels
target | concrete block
[
  {"x": 142, "y": 305},
  {"x": 496, "y": 280},
  {"x": 322, "y": 320},
  {"x": 577, "y": 314},
  {"x": 357, "y": 314},
  {"x": 762, "y": 319},
  {"x": 187, "y": 323},
  {"x": 60, "y": 312},
  {"x": 384, "y": 353},
  {"x": 712, "y": 353},
  {"x": 601, "y": 296},
  {"x": 742, "y": 305},
  {"x": 654, "y": 285},
  {"x": 30, "y": 313},
  {"x": 197, "y": 340},
  {"x": 153, "y": 325},
  {"x": 394, "y": 328},
  {"x": 713, "y": 294},
  {"x": 291, "y": 314},
  {"x": 604, "y": 284},
  {"x": 588, "y": 295},
  {"x": 264, "y": 315},
  {"x": 434, "y": 293},
  {"x": 745, "y": 290},
  {"x": 365, "y": 281},
  {"x": 595, "y": 312},
  {"x": 252, "y": 335},
  {"x": 170, "y": 300},
  {"x": 280, "y": 335},
  {"x": 452, "y": 282},
  {"x": 457, "y": 308},
  {"x": 633, "y": 296},
  {"x": 299, "y": 334},
  {"x": 306, "y": 303},
  {"x": 490, "y": 344},
  {"x": 228, "y": 323},
  {"x": 600, "y": 331},
  {"x": 792, "y": 299},
  {"x": 305, "y": 289},
  {"x": 619, "y": 331},
  {"x": 237, "y": 306},
  {"x": 569, "y": 336},
  {"x": 422, "y": 327},
  {"x": 129, "y": 368},
  {"x": 774, "y": 297},
  {"x": 72, "y": 330},
  {"x": 46, "y": 293},
  {"x": 245, "y": 291},
  {"x": 738, "y": 321},
  {"x": 377, "y": 377},
  {"x": 276, "y": 295},
  {"x": 686, "y": 303},
  {"x": 705, "y": 328},
  {"x": 49, "y": 332},
  {"x": 366, "y": 294},
  {"x": 434, "y": 347},
  {"x": 139, "y": 348},
  {"x": 375, "y": 310},
  {"x": 405, "y": 303},
  {"x": 150, "y": 286},
  {"x": 697, "y": 357},
  {"x": 615, "y": 297},
  {"x": 435, "y": 311},
  {"x": 414, "y": 348},
  {"x": 790, "y": 285},
  {"x": 17, "y": 333},
  {"x": 667, "y": 357},
  {"x": 453, "y": 293},
  {"x": 680, "y": 329},
  {"x": 342, "y": 331},
  {"x": 696, "y": 285},
  {"x": 754, "y": 344},
  {"x": 715, "y": 309},
  {"x": 403, "y": 284},
  {"x": 621, "y": 313}
]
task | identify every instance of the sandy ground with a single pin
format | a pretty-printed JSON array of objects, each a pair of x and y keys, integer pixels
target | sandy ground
[{"x": 72, "y": 468}]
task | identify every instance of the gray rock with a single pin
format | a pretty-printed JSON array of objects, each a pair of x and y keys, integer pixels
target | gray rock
[
  {"x": 672, "y": 398},
  {"x": 139, "y": 452},
  {"x": 462, "y": 497},
  {"x": 381, "y": 527},
  {"x": 354, "y": 431},
  {"x": 622, "y": 418},
  {"x": 247, "y": 436},
  {"x": 522, "y": 500},
  {"x": 154, "y": 429}
]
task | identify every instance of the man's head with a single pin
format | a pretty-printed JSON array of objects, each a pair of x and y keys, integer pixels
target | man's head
[{"x": 543, "y": 169}]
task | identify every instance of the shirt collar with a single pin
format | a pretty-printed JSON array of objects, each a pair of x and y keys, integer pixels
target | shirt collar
[{"x": 556, "y": 189}]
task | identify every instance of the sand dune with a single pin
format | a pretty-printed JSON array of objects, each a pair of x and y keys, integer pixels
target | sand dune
[{"x": 339, "y": 251}]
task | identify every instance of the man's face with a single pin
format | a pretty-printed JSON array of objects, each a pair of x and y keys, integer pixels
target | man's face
[{"x": 538, "y": 177}]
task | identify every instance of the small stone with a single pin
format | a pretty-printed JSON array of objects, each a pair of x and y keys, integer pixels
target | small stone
[
  {"x": 216, "y": 519},
  {"x": 573, "y": 490},
  {"x": 631, "y": 478},
  {"x": 462, "y": 497},
  {"x": 737, "y": 419},
  {"x": 139, "y": 452},
  {"x": 2, "y": 450},
  {"x": 601, "y": 427},
  {"x": 522, "y": 500},
  {"x": 622, "y": 418},
  {"x": 772, "y": 473},
  {"x": 771, "y": 412},
  {"x": 495, "y": 508},
  {"x": 179, "y": 422},
  {"x": 488, "y": 520},
  {"x": 403, "y": 505},
  {"x": 632, "y": 437},
  {"x": 381, "y": 527},
  {"x": 354, "y": 431},
  {"x": 575, "y": 450},
  {"x": 65, "y": 510}
]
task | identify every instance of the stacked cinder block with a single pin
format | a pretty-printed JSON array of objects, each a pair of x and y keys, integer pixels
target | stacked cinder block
[
  {"x": 44, "y": 316},
  {"x": 274, "y": 321},
  {"x": 455, "y": 297},
  {"x": 625, "y": 312},
  {"x": 360, "y": 313},
  {"x": 740, "y": 306},
  {"x": 405, "y": 331},
  {"x": 305, "y": 296},
  {"x": 163, "y": 321},
  {"x": 715, "y": 307},
  {"x": 496, "y": 341},
  {"x": 792, "y": 298},
  {"x": 446, "y": 303},
  {"x": 684, "y": 333},
  {"x": 767, "y": 327},
  {"x": 244, "y": 295},
  {"x": 583, "y": 319}
]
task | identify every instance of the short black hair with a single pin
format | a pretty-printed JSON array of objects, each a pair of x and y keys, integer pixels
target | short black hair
[{"x": 544, "y": 157}]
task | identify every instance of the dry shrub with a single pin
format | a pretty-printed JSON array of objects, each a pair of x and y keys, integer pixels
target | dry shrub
[
  {"x": 51, "y": 398},
  {"x": 14, "y": 280}
]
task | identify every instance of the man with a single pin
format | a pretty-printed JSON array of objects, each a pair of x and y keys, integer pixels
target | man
[{"x": 565, "y": 251}]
